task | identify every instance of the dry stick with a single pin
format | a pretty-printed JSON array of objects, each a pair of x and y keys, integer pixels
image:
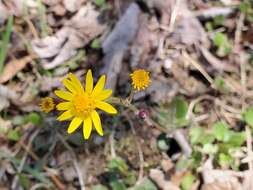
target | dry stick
[
  {"x": 199, "y": 67},
  {"x": 182, "y": 141},
  {"x": 173, "y": 16},
  {"x": 76, "y": 165},
  {"x": 140, "y": 152},
  {"x": 113, "y": 152},
  {"x": 238, "y": 34}
]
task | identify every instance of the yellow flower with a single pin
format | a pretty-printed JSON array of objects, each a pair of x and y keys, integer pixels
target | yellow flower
[
  {"x": 47, "y": 104},
  {"x": 140, "y": 79},
  {"x": 81, "y": 104}
]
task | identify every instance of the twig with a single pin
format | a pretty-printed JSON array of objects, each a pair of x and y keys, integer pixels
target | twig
[
  {"x": 75, "y": 163},
  {"x": 198, "y": 67},
  {"x": 183, "y": 143},
  {"x": 113, "y": 153},
  {"x": 174, "y": 15}
]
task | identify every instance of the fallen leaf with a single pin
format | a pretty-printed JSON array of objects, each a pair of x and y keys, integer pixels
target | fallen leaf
[
  {"x": 3, "y": 13},
  {"x": 13, "y": 67},
  {"x": 73, "y": 5},
  {"x": 76, "y": 33},
  {"x": 158, "y": 177}
]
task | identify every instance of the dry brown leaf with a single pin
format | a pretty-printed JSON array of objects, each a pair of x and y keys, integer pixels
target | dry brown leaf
[
  {"x": 187, "y": 28},
  {"x": 247, "y": 181},
  {"x": 17, "y": 7},
  {"x": 78, "y": 32},
  {"x": 3, "y": 13},
  {"x": 52, "y": 2},
  {"x": 158, "y": 177},
  {"x": 13, "y": 67},
  {"x": 73, "y": 5},
  {"x": 232, "y": 185}
]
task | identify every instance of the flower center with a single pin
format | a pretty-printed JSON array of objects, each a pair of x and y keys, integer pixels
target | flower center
[{"x": 84, "y": 104}]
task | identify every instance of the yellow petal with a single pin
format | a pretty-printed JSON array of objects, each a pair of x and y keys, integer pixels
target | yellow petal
[
  {"x": 89, "y": 82},
  {"x": 68, "y": 84},
  {"x": 99, "y": 86},
  {"x": 87, "y": 127},
  {"x": 104, "y": 94},
  {"x": 97, "y": 122},
  {"x": 66, "y": 115},
  {"x": 106, "y": 107},
  {"x": 63, "y": 106},
  {"x": 75, "y": 123},
  {"x": 76, "y": 82},
  {"x": 63, "y": 94}
]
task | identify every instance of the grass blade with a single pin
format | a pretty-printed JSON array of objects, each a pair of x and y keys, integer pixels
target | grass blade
[{"x": 5, "y": 42}]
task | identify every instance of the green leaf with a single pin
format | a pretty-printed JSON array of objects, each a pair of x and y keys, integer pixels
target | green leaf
[
  {"x": 99, "y": 187},
  {"x": 100, "y": 3},
  {"x": 209, "y": 149},
  {"x": 196, "y": 134},
  {"x": 187, "y": 182},
  {"x": 236, "y": 139},
  {"x": 199, "y": 136},
  {"x": 248, "y": 116},
  {"x": 218, "y": 20},
  {"x": 130, "y": 179},
  {"x": 180, "y": 107},
  {"x": 118, "y": 164},
  {"x": 146, "y": 184},
  {"x": 19, "y": 120},
  {"x": 95, "y": 44},
  {"x": 221, "y": 85},
  {"x": 225, "y": 160},
  {"x": 5, "y": 42},
  {"x": 117, "y": 185},
  {"x": 34, "y": 118},
  {"x": 13, "y": 135},
  {"x": 183, "y": 163},
  {"x": 221, "y": 41},
  {"x": 220, "y": 131},
  {"x": 245, "y": 7},
  {"x": 24, "y": 181}
]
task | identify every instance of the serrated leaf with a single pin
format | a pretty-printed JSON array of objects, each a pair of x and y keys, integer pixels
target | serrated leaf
[
  {"x": 236, "y": 139},
  {"x": 195, "y": 134},
  {"x": 209, "y": 149},
  {"x": 220, "y": 131}
]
